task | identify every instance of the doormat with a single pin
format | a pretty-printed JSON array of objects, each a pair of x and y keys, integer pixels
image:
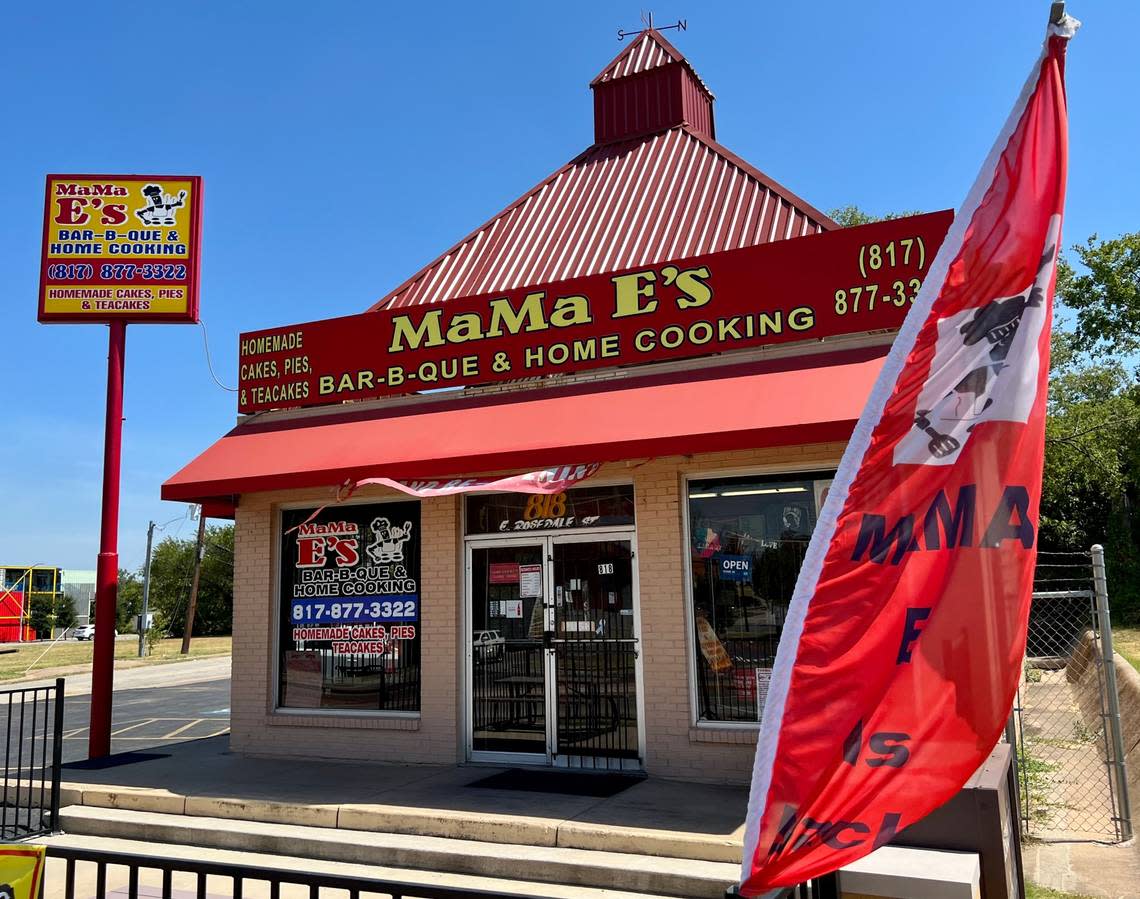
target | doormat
[
  {"x": 114, "y": 761},
  {"x": 571, "y": 783}
]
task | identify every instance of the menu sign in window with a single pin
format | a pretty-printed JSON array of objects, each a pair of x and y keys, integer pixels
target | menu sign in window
[{"x": 350, "y": 599}]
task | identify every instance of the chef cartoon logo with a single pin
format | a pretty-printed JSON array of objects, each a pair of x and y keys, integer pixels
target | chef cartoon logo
[
  {"x": 161, "y": 208},
  {"x": 388, "y": 540},
  {"x": 996, "y": 345}
]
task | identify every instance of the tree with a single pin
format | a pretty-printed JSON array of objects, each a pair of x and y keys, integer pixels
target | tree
[
  {"x": 40, "y": 615},
  {"x": 851, "y": 215},
  {"x": 1092, "y": 449},
  {"x": 65, "y": 618},
  {"x": 172, "y": 567},
  {"x": 129, "y": 603},
  {"x": 1106, "y": 297}
]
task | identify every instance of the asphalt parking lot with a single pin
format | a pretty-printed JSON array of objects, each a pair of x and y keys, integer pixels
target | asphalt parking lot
[{"x": 148, "y": 718}]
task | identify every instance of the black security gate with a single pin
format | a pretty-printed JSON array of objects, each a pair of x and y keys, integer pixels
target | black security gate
[{"x": 595, "y": 647}]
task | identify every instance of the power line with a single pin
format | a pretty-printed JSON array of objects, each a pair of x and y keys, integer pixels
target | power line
[{"x": 210, "y": 361}]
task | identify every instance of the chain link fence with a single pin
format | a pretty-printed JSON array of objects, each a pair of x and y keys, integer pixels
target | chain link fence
[{"x": 1065, "y": 716}]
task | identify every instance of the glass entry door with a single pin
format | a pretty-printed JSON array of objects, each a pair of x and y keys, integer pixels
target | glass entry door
[
  {"x": 509, "y": 648},
  {"x": 553, "y": 651}
]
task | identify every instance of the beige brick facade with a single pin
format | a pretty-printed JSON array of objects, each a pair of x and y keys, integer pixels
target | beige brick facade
[{"x": 675, "y": 745}]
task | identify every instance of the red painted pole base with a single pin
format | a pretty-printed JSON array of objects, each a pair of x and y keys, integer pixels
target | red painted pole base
[{"x": 103, "y": 664}]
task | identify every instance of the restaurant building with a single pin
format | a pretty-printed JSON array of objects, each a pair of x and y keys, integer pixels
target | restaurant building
[{"x": 628, "y": 616}]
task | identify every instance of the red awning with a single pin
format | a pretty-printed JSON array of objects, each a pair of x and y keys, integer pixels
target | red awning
[{"x": 777, "y": 403}]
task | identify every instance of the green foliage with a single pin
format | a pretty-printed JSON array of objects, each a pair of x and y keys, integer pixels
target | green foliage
[
  {"x": 129, "y": 602},
  {"x": 40, "y": 615},
  {"x": 65, "y": 613},
  {"x": 1033, "y": 891},
  {"x": 1106, "y": 297},
  {"x": 156, "y": 632},
  {"x": 851, "y": 215},
  {"x": 171, "y": 571},
  {"x": 1092, "y": 449}
]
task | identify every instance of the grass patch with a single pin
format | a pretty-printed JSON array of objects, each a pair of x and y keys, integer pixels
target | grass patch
[
  {"x": 1033, "y": 891},
  {"x": 73, "y": 653},
  {"x": 1126, "y": 641},
  {"x": 1034, "y": 773}
]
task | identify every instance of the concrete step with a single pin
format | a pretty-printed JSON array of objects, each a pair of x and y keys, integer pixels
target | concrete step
[
  {"x": 528, "y": 825},
  {"x": 583, "y": 868},
  {"x": 185, "y": 884}
]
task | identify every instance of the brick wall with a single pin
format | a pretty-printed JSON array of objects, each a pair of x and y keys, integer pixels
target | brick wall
[{"x": 676, "y": 746}]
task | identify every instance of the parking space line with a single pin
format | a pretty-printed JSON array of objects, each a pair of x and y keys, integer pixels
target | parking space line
[
  {"x": 142, "y": 723},
  {"x": 174, "y": 733}
]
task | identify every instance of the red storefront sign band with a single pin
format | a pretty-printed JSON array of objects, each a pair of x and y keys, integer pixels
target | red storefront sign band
[
  {"x": 846, "y": 281},
  {"x": 899, "y": 660}
]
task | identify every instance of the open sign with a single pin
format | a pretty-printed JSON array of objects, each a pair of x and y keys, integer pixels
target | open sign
[{"x": 735, "y": 568}]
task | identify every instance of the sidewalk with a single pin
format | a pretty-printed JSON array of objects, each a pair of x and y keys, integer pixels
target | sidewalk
[
  {"x": 134, "y": 675},
  {"x": 1087, "y": 869},
  {"x": 202, "y": 778}
]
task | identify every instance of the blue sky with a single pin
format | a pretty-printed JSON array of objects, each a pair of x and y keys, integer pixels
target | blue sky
[{"x": 344, "y": 144}]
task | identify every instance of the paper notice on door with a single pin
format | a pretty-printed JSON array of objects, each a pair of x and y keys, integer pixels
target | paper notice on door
[
  {"x": 503, "y": 573},
  {"x": 558, "y": 595},
  {"x": 512, "y": 608},
  {"x": 493, "y": 609},
  {"x": 530, "y": 581},
  {"x": 577, "y": 626},
  {"x": 763, "y": 680}
]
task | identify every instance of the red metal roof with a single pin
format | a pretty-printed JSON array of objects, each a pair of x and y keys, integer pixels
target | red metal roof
[
  {"x": 665, "y": 196},
  {"x": 669, "y": 194}
]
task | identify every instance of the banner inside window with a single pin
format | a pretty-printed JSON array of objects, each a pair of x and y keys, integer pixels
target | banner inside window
[{"x": 350, "y": 608}]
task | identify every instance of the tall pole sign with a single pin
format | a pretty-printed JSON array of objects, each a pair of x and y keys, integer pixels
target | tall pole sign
[{"x": 117, "y": 249}]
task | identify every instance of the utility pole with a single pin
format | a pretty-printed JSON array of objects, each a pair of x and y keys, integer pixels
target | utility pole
[
  {"x": 199, "y": 551},
  {"x": 143, "y": 628}
]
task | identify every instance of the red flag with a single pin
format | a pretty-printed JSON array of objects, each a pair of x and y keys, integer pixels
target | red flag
[{"x": 900, "y": 655}]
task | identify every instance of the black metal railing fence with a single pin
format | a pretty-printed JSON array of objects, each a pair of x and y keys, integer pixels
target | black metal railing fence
[
  {"x": 98, "y": 873},
  {"x": 33, "y": 755}
]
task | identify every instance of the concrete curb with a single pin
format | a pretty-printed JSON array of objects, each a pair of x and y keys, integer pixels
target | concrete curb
[{"x": 426, "y": 822}]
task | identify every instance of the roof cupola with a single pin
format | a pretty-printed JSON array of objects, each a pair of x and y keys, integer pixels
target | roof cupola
[{"x": 649, "y": 87}]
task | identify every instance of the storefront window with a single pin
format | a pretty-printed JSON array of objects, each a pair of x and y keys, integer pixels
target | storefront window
[
  {"x": 350, "y": 608},
  {"x": 747, "y": 538}
]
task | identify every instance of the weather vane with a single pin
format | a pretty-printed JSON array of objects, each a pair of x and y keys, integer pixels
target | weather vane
[{"x": 647, "y": 21}]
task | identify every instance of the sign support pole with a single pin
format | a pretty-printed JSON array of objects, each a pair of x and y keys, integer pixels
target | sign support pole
[{"x": 107, "y": 570}]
